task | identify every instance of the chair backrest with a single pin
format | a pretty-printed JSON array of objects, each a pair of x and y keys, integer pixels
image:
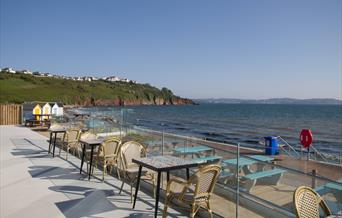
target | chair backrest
[
  {"x": 307, "y": 203},
  {"x": 88, "y": 135},
  {"x": 128, "y": 151},
  {"x": 72, "y": 135},
  {"x": 110, "y": 147},
  {"x": 205, "y": 179}
]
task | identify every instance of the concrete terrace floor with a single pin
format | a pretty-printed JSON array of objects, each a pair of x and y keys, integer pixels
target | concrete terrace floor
[{"x": 33, "y": 184}]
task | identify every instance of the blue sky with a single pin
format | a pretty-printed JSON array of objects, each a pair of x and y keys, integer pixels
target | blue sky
[{"x": 198, "y": 49}]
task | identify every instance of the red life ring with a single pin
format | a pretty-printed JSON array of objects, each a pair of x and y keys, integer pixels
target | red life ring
[{"x": 306, "y": 138}]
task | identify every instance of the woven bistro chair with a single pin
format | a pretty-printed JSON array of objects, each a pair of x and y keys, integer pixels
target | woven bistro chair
[
  {"x": 107, "y": 154},
  {"x": 195, "y": 192},
  {"x": 307, "y": 203},
  {"x": 70, "y": 142},
  {"x": 129, "y": 170}
]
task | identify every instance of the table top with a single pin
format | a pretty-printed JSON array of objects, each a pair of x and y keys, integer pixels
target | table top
[
  {"x": 191, "y": 150},
  {"x": 334, "y": 186},
  {"x": 242, "y": 161},
  {"x": 261, "y": 157},
  {"x": 59, "y": 129},
  {"x": 165, "y": 163},
  {"x": 208, "y": 159},
  {"x": 247, "y": 161},
  {"x": 91, "y": 141}
]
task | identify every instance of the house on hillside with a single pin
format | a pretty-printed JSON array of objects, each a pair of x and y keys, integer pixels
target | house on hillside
[
  {"x": 87, "y": 78},
  {"x": 57, "y": 109},
  {"x": 26, "y": 72},
  {"x": 112, "y": 78},
  {"x": 8, "y": 70}
]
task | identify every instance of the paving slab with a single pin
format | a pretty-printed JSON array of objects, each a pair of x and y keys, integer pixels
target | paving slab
[{"x": 33, "y": 184}]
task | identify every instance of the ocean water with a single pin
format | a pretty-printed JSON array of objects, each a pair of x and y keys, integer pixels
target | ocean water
[{"x": 246, "y": 124}]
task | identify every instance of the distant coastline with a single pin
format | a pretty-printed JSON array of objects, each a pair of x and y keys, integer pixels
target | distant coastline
[{"x": 313, "y": 101}]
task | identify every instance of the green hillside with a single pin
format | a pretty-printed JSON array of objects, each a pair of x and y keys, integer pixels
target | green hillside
[{"x": 19, "y": 88}]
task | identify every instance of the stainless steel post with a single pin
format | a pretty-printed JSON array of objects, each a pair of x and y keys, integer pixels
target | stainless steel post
[
  {"x": 237, "y": 181},
  {"x": 162, "y": 148},
  {"x": 313, "y": 180}
]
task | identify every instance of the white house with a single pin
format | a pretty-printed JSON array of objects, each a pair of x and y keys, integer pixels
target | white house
[
  {"x": 57, "y": 109},
  {"x": 8, "y": 70},
  {"x": 26, "y": 72},
  {"x": 113, "y": 78},
  {"x": 46, "y": 110}
]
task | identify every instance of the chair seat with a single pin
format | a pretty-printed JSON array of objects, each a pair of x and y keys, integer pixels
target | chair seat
[
  {"x": 107, "y": 156},
  {"x": 189, "y": 197},
  {"x": 135, "y": 169}
]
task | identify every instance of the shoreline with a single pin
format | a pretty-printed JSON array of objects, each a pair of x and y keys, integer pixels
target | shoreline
[{"x": 69, "y": 106}]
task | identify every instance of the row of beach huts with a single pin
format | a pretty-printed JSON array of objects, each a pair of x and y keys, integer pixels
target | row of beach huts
[{"x": 49, "y": 108}]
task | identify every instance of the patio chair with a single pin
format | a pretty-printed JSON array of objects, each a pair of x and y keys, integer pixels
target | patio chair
[
  {"x": 70, "y": 141},
  {"x": 107, "y": 155},
  {"x": 128, "y": 169},
  {"x": 307, "y": 203},
  {"x": 195, "y": 192}
]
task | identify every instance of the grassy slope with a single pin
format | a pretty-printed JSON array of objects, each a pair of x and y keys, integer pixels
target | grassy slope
[{"x": 18, "y": 88}]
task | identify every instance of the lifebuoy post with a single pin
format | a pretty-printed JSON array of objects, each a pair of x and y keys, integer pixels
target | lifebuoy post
[{"x": 306, "y": 139}]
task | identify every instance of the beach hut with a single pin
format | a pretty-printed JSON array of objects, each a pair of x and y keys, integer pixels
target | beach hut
[
  {"x": 57, "y": 109},
  {"x": 37, "y": 110},
  {"x": 46, "y": 110}
]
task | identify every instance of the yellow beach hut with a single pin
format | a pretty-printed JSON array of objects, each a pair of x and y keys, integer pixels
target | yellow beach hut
[
  {"x": 37, "y": 110},
  {"x": 46, "y": 110}
]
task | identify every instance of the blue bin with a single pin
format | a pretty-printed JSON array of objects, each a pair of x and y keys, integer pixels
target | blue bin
[{"x": 271, "y": 145}]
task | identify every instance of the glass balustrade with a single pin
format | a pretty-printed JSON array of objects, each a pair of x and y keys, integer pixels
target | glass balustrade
[{"x": 265, "y": 184}]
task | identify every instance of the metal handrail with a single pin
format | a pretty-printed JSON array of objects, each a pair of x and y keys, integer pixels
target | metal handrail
[
  {"x": 319, "y": 153},
  {"x": 316, "y": 152},
  {"x": 291, "y": 147}
]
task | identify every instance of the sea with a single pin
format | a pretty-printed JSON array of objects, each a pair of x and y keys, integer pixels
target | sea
[{"x": 246, "y": 124}]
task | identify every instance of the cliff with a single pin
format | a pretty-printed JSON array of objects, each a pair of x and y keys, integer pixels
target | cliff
[{"x": 19, "y": 88}]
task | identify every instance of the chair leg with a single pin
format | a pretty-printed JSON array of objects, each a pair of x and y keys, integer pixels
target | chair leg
[
  {"x": 104, "y": 171},
  {"x": 131, "y": 193},
  {"x": 209, "y": 209},
  {"x": 67, "y": 152},
  {"x": 154, "y": 187},
  {"x": 193, "y": 210},
  {"x": 92, "y": 169},
  {"x": 121, "y": 187},
  {"x": 123, "y": 182},
  {"x": 78, "y": 153},
  {"x": 167, "y": 200},
  {"x": 118, "y": 173},
  {"x": 60, "y": 149}
]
